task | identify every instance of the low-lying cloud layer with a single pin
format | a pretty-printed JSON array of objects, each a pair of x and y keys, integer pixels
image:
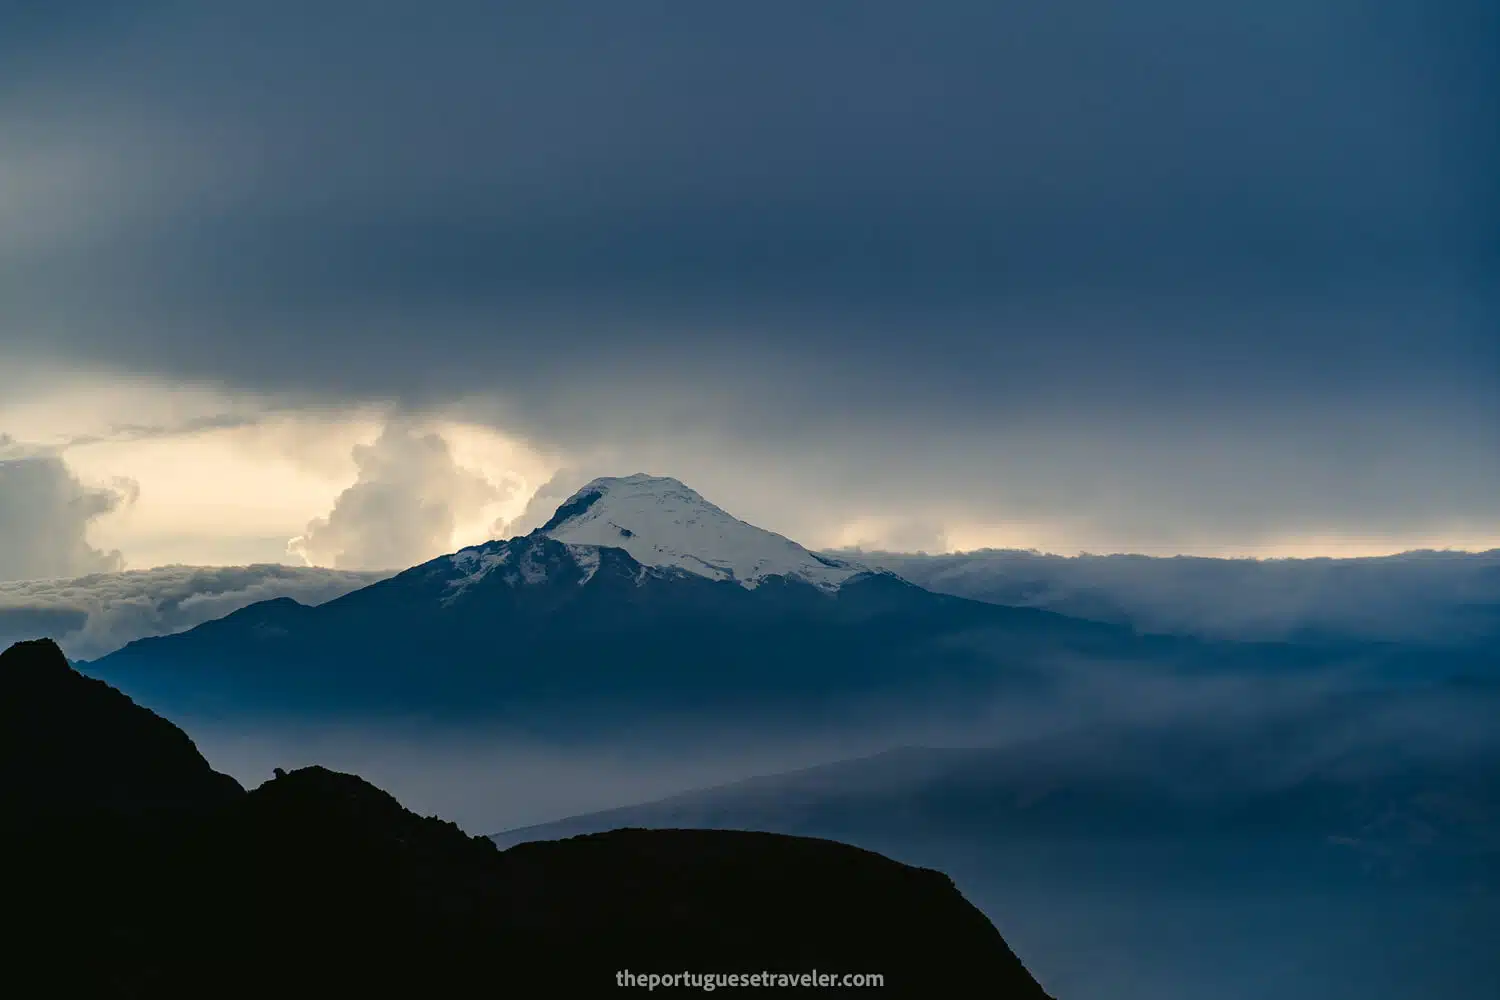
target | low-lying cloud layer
[
  {"x": 1431, "y": 597},
  {"x": 1424, "y": 597},
  {"x": 93, "y": 615},
  {"x": 1280, "y": 727}
]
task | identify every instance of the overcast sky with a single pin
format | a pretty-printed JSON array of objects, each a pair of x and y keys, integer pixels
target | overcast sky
[{"x": 348, "y": 283}]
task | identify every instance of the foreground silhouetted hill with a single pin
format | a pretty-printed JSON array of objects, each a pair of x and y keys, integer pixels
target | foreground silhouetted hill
[
  {"x": 71, "y": 745},
  {"x": 135, "y": 870}
]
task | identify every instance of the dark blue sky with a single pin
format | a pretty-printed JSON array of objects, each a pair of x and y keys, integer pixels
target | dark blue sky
[{"x": 1183, "y": 268}]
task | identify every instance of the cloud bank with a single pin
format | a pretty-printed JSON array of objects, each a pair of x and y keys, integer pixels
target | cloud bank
[
  {"x": 1427, "y": 597},
  {"x": 93, "y": 615}
]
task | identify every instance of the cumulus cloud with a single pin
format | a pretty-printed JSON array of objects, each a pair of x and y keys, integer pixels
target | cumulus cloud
[
  {"x": 93, "y": 615},
  {"x": 45, "y": 513},
  {"x": 1415, "y": 596},
  {"x": 547, "y": 498},
  {"x": 410, "y": 496}
]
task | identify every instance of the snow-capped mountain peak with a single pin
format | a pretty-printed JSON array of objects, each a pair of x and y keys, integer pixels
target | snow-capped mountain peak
[{"x": 662, "y": 523}]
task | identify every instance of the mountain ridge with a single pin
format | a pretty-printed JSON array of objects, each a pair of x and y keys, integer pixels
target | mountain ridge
[
  {"x": 606, "y": 625},
  {"x": 317, "y": 883},
  {"x": 557, "y": 632}
]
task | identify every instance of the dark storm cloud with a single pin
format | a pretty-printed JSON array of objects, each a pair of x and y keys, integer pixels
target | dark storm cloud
[{"x": 1056, "y": 241}]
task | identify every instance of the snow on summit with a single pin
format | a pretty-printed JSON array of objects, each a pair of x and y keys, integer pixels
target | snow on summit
[{"x": 660, "y": 522}]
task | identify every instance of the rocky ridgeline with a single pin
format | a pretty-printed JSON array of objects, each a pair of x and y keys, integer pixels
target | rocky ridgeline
[{"x": 136, "y": 870}]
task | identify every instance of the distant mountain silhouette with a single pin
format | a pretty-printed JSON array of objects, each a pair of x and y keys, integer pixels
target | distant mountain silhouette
[
  {"x": 582, "y": 643},
  {"x": 1387, "y": 808},
  {"x": 137, "y": 871},
  {"x": 640, "y": 598},
  {"x": 574, "y": 639}
]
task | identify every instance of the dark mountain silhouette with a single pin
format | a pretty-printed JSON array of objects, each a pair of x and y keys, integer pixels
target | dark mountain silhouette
[
  {"x": 72, "y": 747},
  {"x": 640, "y": 598},
  {"x": 585, "y": 643},
  {"x": 137, "y": 871},
  {"x": 575, "y": 644}
]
